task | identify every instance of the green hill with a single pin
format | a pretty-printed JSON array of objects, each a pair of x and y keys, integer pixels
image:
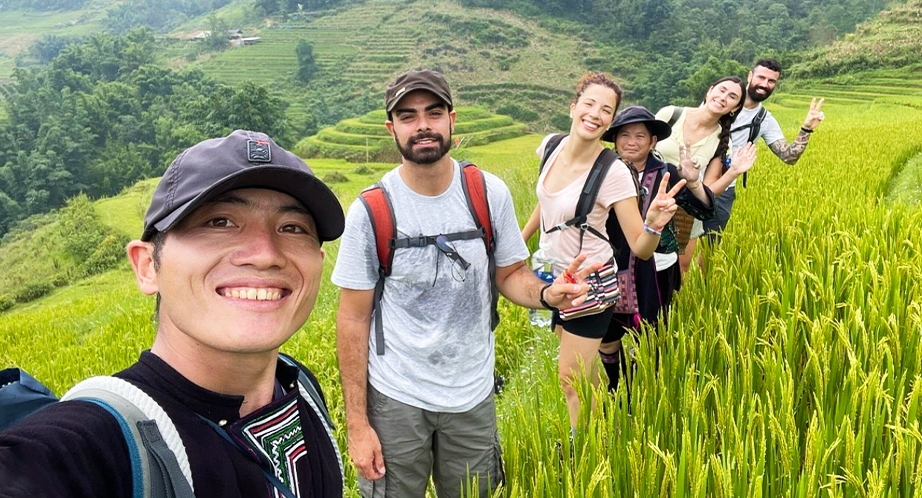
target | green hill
[
  {"x": 890, "y": 40},
  {"x": 491, "y": 58}
]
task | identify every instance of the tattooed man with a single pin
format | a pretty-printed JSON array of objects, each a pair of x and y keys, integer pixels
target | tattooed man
[{"x": 755, "y": 121}]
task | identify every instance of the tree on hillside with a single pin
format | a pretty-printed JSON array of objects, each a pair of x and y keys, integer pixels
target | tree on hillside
[
  {"x": 250, "y": 107},
  {"x": 217, "y": 39},
  {"x": 159, "y": 15},
  {"x": 100, "y": 117},
  {"x": 708, "y": 72},
  {"x": 307, "y": 65},
  {"x": 45, "y": 49}
]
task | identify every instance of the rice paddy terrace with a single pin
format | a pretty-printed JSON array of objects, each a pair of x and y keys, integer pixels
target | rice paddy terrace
[
  {"x": 365, "y": 139},
  {"x": 492, "y": 59}
]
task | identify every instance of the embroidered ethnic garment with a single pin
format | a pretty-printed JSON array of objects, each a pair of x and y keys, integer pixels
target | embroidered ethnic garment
[{"x": 277, "y": 437}]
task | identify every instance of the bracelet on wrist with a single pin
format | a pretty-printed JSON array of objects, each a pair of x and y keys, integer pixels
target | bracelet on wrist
[
  {"x": 647, "y": 228},
  {"x": 805, "y": 130},
  {"x": 693, "y": 185},
  {"x": 541, "y": 298}
]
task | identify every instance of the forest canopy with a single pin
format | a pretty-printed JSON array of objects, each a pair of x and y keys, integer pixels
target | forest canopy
[{"x": 102, "y": 115}]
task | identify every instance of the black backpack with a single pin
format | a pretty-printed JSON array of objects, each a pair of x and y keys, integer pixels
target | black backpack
[
  {"x": 754, "y": 126},
  {"x": 590, "y": 191}
]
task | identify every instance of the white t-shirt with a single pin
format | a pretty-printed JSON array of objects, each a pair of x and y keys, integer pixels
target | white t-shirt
[
  {"x": 560, "y": 206},
  {"x": 770, "y": 131},
  {"x": 439, "y": 349}
]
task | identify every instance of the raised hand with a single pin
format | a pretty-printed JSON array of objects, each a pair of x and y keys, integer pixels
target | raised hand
[
  {"x": 689, "y": 169},
  {"x": 814, "y": 116},
  {"x": 663, "y": 206},
  {"x": 742, "y": 159}
]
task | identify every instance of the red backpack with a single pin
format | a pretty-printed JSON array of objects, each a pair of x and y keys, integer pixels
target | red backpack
[{"x": 384, "y": 226}]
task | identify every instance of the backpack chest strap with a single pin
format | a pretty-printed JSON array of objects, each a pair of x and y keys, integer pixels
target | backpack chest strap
[{"x": 428, "y": 240}]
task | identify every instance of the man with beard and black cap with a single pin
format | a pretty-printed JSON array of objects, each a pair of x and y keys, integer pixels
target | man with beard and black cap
[
  {"x": 755, "y": 121},
  {"x": 416, "y": 354}
]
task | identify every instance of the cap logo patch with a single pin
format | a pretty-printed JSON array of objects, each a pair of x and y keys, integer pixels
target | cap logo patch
[{"x": 258, "y": 151}]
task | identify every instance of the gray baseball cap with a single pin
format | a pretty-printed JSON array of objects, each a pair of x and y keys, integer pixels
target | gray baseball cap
[
  {"x": 243, "y": 159},
  {"x": 425, "y": 79}
]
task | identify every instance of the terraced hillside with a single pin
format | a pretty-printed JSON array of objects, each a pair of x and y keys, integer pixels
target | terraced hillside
[
  {"x": 879, "y": 86},
  {"x": 365, "y": 139},
  {"x": 493, "y": 59}
]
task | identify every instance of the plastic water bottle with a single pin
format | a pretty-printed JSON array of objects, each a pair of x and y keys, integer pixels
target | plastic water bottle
[{"x": 544, "y": 269}]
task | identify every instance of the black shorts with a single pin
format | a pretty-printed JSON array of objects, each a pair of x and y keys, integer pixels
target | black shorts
[{"x": 589, "y": 326}]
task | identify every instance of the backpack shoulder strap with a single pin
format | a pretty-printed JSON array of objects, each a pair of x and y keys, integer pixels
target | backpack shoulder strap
[
  {"x": 590, "y": 192},
  {"x": 475, "y": 191},
  {"x": 160, "y": 466},
  {"x": 676, "y": 113},
  {"x": 757, "y": 124},
  {"x": 588, "y": 195},
  {"x": 308, "y": 389},
  {"x": 754, "y": 126},
  {"x": 383, "y": 224},
  {"x": 384, "y": 227},
  {"x": 549, "y": 147}
]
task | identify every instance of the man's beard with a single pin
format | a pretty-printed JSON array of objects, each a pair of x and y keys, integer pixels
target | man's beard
[
  {"x": 427, "y": 155},
  {"x": 758, "y": 97}
]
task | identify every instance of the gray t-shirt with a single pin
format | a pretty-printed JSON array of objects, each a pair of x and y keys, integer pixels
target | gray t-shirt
[
  {"x": 770, "y": 131},
  {"x": 439, "y": 349}
]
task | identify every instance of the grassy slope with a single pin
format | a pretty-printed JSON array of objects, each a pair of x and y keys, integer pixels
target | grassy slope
[
  {"x": 890, "y": 40},
  {"x": 18, "y": 30},
  {"x": 370, "y": 43},
  {"x": 365, "y": 45}
]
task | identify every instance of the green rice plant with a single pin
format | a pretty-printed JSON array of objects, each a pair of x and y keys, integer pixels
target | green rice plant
[{"x": 790, "y": 367}]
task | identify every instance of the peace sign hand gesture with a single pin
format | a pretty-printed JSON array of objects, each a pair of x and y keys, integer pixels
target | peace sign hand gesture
[
  {"x": 689, "y": 169},
  {"x": 814, "y": 116},
  {"x": 663, "y": 206}
]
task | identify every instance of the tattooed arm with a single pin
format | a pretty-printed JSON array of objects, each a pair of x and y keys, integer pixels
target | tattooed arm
[{"x": 790, "y": 153}]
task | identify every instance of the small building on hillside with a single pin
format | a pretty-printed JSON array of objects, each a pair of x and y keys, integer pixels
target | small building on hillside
[{"x": 248, "y": 40}]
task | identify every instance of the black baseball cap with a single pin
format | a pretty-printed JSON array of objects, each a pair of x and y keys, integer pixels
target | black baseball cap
[
  {"x": 637, "y": 114},
  {"x": 243, "y": 159},
  {"x": 417, "y": 80}
]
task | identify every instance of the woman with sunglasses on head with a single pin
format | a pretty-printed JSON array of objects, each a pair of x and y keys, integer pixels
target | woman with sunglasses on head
[
  {"x": 701, "y": 136},
  {"x": 565, "y": 170}
]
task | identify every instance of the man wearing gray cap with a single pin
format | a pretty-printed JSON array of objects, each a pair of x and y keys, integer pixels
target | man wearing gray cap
[
  {"x": 231, "y": 247},
  {"x": 419, "y": 396}
]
